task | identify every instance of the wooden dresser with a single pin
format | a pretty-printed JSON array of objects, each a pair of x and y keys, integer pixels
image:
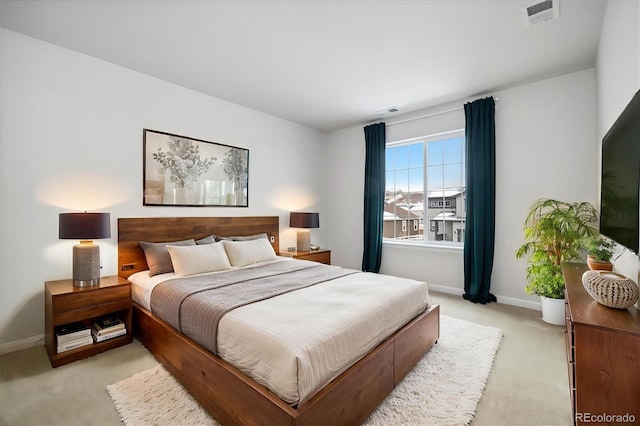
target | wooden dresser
[{"x": 603, "y": 356}]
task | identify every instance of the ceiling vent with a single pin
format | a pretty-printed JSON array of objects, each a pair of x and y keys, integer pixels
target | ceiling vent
[
  {"x": 537, "y": 12},
  {"x": 389, "y": 110}
]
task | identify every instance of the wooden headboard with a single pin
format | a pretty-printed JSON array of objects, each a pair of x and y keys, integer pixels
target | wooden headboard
[{"x": 160, "y": 229}]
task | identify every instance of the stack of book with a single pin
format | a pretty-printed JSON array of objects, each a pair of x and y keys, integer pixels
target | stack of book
[
  {"x": 74, "y": 335},
  {"x": 107, "y": 328}
]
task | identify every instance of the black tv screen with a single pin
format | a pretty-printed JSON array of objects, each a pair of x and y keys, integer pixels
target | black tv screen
[{"x": 620, "y": 179}]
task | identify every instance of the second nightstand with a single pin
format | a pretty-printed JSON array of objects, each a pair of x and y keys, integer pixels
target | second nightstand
[
  {"x": 320, "y": 255},
  {"x": 66, "y": 304}
]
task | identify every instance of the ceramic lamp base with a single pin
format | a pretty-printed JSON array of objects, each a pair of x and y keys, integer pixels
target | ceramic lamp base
[
  {"x": 303, "y": 240},
  {"x": 86, "y": 264}
]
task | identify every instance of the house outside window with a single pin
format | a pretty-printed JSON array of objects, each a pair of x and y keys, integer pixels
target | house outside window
[
  {"x": 425, "y": 183},
  {"x": 440, "y": 203}
]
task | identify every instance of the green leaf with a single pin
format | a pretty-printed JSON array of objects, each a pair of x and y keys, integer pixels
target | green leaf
[{"x": 555, "y": 232}]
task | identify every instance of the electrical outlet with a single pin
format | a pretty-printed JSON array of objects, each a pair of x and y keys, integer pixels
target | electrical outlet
[
  {"x": 127, "y": 267},
  {"x": 272, "y": 239}
]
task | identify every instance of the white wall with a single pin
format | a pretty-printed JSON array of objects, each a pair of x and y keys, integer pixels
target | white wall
[
  {"x": 545, "y": 147},
  {"x": 618, "y": 79},
  {"x": 71, "y": 140}
]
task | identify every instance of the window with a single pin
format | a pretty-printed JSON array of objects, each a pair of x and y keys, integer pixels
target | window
[
  {"x": 440, "y": 203},
  {"x": 425, "y": 183}
]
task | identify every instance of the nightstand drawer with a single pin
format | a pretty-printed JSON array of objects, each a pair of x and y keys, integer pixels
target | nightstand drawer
[
  {"x": 91, "y": 312},
  {"x": 320, "y": 255},
  {"x": 90, "y": 299},
  {"x": 323, "y": 257}
]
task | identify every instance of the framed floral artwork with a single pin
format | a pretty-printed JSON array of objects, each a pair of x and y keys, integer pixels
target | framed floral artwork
[{"x": 183, "y": 171}]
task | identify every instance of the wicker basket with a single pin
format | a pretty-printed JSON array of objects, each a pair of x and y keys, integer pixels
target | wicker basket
[{"x": 610, "y": 289}]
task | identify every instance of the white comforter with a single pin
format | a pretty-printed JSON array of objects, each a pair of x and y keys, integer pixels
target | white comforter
[{"x": 296, "y": 343}]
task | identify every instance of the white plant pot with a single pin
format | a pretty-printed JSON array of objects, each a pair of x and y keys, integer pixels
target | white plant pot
[{"x": 552, "y": 310}]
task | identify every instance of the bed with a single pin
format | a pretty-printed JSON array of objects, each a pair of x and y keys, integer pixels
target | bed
[{"x": 231, "y": 396}]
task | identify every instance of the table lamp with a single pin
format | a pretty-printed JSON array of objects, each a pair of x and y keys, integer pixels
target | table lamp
[
  {"x": 86, "y": 255},
  {"x": 304, "y": 221}
]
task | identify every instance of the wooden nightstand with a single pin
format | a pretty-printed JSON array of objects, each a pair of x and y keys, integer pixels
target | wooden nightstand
[
  {"x": 65, "y": 304},
  {"x": 320, "y": 255}
]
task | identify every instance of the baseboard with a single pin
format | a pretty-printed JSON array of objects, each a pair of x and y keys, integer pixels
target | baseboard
[
  {"x": 536, "y": 306},
  {"x": 446, "y": 289},
  {"x": 19, "y": 345}
]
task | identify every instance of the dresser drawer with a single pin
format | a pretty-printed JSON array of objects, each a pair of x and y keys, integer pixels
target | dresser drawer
[
  {"x": 571, "y": 370},
  {"x": 85, "y": 299},
  {"x": 569, "y": 342},
  {"x": 569, "y": 336}
]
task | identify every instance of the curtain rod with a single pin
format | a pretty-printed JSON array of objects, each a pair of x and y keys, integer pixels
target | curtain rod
[{"x": 420, "y": 117}]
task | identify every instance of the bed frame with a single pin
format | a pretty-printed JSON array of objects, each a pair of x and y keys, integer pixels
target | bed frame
[{"x": 228, "y": 394}]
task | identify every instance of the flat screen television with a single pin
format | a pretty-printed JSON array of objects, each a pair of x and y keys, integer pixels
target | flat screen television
[{"x": 620, "y": 178}]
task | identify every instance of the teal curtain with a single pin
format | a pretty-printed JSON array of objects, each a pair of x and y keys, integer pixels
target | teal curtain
[
  {"x": 374, "y": 182},
  {"x": 479, "y": 234}
]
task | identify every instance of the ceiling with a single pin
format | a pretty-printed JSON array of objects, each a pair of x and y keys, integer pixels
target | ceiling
[{"x": 327, "y": 65}]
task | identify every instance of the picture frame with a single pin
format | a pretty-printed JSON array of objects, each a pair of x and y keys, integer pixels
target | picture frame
[{"x": 188, "y": 172}]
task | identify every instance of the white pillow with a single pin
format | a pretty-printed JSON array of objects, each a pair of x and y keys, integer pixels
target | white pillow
[
  {"x": 189, "y": 260},
  {"x": 243, "y": 253}
]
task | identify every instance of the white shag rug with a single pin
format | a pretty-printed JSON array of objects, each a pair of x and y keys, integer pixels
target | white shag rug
[{"x": 443, "y": 388}]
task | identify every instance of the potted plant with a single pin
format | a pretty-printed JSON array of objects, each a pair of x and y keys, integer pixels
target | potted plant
[
  {"x": 555, "y": 232},
  {"x": 599, "y": 253}
]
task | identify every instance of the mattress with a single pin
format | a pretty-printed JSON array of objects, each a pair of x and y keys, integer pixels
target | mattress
[{"x": 297, "y": 342}]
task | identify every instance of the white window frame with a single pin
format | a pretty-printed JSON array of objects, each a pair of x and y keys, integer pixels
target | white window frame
[{"x": 426, "y": 242}]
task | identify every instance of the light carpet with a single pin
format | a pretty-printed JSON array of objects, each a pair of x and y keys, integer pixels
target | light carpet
[{"x": 443, "y": 388}]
